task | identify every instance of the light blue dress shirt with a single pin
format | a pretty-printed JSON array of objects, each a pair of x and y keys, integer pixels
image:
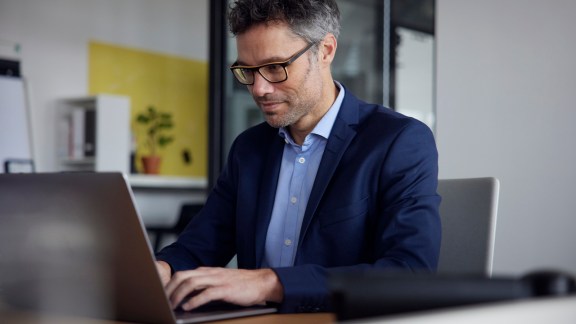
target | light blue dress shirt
[{"x": 297, "y": 173}]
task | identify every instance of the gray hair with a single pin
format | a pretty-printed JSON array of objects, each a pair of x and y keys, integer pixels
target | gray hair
[{"x": 311, "y": 20}]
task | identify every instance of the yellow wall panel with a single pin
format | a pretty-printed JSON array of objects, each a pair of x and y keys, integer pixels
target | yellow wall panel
[{"x": 171, "y": 84}]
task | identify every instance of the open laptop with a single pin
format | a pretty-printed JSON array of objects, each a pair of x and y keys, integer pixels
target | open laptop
[{"x": 73, "y": 243}]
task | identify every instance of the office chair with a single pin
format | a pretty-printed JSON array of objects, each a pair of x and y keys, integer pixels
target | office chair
[
  {"x": 468, "y": 212},
  {"x": 187, "y": 212},
  {"x": 18, "y": 166}
]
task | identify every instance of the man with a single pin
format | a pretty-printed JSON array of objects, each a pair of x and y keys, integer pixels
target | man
[{"x": 328, "y": 183}]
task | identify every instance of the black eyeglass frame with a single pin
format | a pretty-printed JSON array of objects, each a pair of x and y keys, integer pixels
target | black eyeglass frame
[{"x": 256, "y": 68}]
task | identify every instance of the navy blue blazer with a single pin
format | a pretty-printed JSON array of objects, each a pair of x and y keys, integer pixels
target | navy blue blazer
[{"x": 373, "y": 205}]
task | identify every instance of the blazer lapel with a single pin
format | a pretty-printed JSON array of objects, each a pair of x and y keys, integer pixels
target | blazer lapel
[
  {"x": 340, "y": 137},
  {"x": 266, "y": 196}
]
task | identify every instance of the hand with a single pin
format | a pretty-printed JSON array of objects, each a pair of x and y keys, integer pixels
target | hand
[
  {"x": 164, "y": 271},
  {"x": 236, "y": 286}
]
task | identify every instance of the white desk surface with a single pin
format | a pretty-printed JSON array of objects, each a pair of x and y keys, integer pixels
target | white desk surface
[
  {"x": 556, "y": 310},
  {"x": 167, "y": 182}
]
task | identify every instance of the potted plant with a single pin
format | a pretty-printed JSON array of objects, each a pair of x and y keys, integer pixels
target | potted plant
[{"x": 157, "y": 124}]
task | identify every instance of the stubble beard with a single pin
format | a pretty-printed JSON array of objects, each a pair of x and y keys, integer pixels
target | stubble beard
[
  {"x": 295, "y": 111},
  {"x": 298, "y": 105}
]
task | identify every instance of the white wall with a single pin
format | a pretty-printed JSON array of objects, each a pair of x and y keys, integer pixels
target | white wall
[
  {"x": 54, "y": 36},
  {"x": 506, "y": 97}
]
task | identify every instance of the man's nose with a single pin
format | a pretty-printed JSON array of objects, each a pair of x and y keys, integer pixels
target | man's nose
[{"x": 261, "y": 86}]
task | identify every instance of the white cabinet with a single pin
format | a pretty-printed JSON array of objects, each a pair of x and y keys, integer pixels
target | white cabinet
[{"x": 95, "y": 134}]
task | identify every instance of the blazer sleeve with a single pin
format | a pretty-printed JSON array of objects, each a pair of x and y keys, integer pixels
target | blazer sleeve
[
  {"x": 209, "y": 238},
  {"x": 407, "y": 226}
]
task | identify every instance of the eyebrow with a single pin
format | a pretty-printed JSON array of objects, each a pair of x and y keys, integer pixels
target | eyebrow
[{"x": 273, "y": 59}]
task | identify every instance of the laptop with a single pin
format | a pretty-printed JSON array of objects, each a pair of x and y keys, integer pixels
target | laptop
[{"x": 73, "y": 243}]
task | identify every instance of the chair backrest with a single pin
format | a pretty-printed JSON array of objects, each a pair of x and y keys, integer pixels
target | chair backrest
[
  {"x": 187, "y": 212},
  {"x": 468, "y": 212}
]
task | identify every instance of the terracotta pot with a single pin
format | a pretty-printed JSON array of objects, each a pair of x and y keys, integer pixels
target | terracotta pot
[{"x": 151, "y": 164}]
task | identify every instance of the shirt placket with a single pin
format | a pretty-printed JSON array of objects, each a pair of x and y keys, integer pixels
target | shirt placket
[{"x": 294, "y": 205}]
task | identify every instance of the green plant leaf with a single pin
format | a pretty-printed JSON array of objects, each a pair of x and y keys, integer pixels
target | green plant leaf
[
  {"x": 143, "y": 119},
  {"x": 156, "y": 123},
  {"x": 165, "y": 140}
]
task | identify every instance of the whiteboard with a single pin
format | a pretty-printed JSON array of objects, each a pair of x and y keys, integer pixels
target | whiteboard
[{"x": 14, "y": 128}]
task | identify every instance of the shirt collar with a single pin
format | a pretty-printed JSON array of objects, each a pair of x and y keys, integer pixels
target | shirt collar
[{"x": 325, "y": 124}]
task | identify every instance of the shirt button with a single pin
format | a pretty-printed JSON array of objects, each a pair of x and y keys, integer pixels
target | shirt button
[
  {"x": 287, "y": 242},
  {"x": 293, "y": 200},
  {"x": 301, "y": 160}
]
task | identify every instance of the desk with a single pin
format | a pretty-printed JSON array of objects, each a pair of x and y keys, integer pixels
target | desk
[
  {"x": 558, "y": 310},
  {"x": 158, "y": 198},
  {"x": 30, "y": 318}
]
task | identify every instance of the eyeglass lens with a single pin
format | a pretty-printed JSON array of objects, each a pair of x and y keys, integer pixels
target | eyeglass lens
[{"x": 272, "y": 73}]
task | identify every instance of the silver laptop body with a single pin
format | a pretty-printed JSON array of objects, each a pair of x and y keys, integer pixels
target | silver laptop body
[{"x": 73, "y": 243}]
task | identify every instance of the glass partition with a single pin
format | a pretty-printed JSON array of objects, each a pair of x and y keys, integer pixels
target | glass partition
[{"x": 385, "y": 55}]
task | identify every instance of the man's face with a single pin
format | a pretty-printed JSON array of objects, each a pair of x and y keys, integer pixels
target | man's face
[{"x": 284, "y": 103}]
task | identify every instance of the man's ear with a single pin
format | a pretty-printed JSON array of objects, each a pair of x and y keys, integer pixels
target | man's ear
[{"x": 327, "y": 49}]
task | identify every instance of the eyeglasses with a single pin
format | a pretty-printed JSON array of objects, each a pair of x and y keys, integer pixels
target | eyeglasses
[{"x": 274, "y": 72}]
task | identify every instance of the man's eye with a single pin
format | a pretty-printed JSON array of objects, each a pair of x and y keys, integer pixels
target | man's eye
[{"x": 274, "y": 68}]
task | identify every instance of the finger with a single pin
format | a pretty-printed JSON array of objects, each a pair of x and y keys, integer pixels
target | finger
[
  {"x": 203, "y": 297},
  {"x": 187, "y": 288},
  {"x": 188, "y": 285},
  {"x": 183, "y": 294},
  {"x": 163, "y": 271},
  {"x": 177, "y": 280}
]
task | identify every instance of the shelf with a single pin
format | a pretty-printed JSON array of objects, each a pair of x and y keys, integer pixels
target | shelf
[
  {"x": 168, "y": 182},
  {"x": 94, "y": 133},
  {"x": 70, "y": 161}
]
